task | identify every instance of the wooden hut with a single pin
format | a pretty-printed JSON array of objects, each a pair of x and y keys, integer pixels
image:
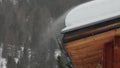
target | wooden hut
[{"x": 92, "y": 34}]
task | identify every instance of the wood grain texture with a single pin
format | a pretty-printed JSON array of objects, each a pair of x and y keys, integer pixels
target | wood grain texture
[{"x": 89, "y": 52}]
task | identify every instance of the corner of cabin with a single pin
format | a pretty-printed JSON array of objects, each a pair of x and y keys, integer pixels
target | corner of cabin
[{"x": 92, "y": 36}]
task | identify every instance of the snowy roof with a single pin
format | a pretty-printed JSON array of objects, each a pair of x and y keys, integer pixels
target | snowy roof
[{"x": 91, "y": 13}]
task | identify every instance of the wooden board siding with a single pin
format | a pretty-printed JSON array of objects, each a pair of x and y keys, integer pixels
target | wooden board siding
[{"x": 90, "y": 51}]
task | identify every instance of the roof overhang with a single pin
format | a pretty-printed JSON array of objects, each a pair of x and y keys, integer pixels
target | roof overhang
[{"x": 91, "y": 13}]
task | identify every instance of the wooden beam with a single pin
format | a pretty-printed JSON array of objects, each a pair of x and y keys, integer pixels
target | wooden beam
[{"x": 91, "y": 39}]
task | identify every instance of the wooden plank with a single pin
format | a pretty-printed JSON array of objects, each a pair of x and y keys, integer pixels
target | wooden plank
[
  {"x": 87, "y": 53},
  {"x": 91, "y": 39},
  {"x": 80, "y": 59},
  {"x": 86, "y": 50}
]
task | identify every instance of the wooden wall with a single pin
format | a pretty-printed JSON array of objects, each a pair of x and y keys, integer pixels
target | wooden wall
[{"x": 98, "y": 49}]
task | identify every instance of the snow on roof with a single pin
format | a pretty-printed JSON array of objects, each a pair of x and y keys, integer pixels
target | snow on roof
[{"x": 91, "y": 13}]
